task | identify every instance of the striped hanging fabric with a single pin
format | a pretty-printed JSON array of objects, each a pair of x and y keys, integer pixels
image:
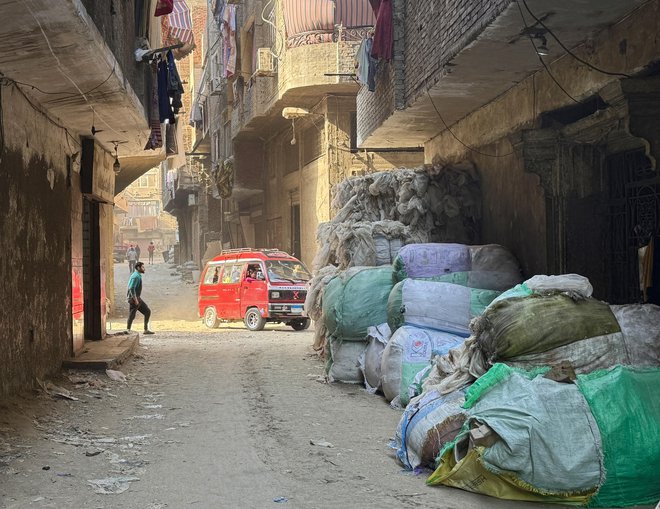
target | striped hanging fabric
[{"x": 180, "y": 22}]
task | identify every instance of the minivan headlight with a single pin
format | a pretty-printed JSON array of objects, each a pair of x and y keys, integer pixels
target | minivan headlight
[{"x": 275, "y": 295}]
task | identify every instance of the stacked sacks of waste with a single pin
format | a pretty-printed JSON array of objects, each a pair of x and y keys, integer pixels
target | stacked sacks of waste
[
  {"x": 430, "y": 308},
  {"x": 548, "y": 321},
  {"x": 353, "y": 301},
  {"x": 587, "y": 439},
  {"x": 377, "y": 214}
]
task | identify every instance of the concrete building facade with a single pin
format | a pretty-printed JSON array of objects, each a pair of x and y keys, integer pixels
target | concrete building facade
[
  {"x": 282, "y": 169},
  {"x": 554, "y": 104},
  {"x": 70, "y": 92}
]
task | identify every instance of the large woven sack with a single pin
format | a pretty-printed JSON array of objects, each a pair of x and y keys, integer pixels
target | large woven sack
[
  {"x": 408, "y": 352},
  {"x": 546, "y": 443},
  {"x": 343, "y": 361},
  {"x": 428, "y": 423},
  {"x": 426, "y": 260},
  {"x": 433, "y": 305},
  {"x": 625, "y": 404},
  {"x": 485, "y": 279},
  {"x": 370, "y": 360},
  {"x": 537, "y": 323},
  {"x": 355, "y": 301}
]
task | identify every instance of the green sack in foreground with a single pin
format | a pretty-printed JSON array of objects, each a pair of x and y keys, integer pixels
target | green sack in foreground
[{"x": 626, "y": 406}]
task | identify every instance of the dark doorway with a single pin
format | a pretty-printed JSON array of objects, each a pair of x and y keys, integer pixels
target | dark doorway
[
  {"x": 295, "y": 230},
  {"x": 92, "y": 270},
  {"x": 634, "y": 203}
]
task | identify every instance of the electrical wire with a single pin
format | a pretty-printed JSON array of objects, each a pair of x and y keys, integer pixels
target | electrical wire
[
  {"x": 458, "y": 139},
  {"x": 6, "y": 81},
  {"x": 567, "y": 50},
  {"x": 60, "y": 68},
  {"x": 68, "y": 94},
  {"x": 536, "y": 51}
]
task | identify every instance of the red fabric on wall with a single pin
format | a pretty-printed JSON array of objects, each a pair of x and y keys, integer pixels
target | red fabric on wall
[
  {"x": 164, "y": 7},
  {"x": 384, "y": 33}
]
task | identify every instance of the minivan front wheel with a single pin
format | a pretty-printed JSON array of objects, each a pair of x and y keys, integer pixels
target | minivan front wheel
[
  {"x": 253, "y": 320},
  {"x": 211, "y": 318}
]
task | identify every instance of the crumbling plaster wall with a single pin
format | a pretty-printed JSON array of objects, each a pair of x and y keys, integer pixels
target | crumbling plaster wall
[{"x": 35, "y": 227}]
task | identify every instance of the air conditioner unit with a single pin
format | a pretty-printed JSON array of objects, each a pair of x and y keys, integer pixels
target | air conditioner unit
[
  {"x": 217, "y": 85},
  {"x": 265, "y": 62}
]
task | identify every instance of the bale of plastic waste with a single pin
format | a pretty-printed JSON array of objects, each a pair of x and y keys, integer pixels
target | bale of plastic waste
[
  {"x": 407, "y": 353},
  {"x": 370, "y": 361},
  {"x": 439, "y": 259},
  {"x": 624, "y": 402},
  {"x": 428, "y": 423},
  {"x": 527, "y": 438},
  {"x": 434, "y": 305},
  {"x": 355, "y": 301},
  {"x": 342, "y": 363},
  {"x": 314, "y": 302}
]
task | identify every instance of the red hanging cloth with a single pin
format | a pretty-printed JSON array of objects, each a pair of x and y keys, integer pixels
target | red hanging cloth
[
  {"x": 384, "y": 33},
  {"x": 164, "y": 7}
]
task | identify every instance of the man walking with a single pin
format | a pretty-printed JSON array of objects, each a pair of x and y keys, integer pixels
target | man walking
[
  {"x": 131, "y": 258},
  {"x": 151, "y": 250},
  {"x": 135, "y": 302}
]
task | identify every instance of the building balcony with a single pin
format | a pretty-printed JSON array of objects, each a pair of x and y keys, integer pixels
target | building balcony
[{"x": 484, "y": 49}]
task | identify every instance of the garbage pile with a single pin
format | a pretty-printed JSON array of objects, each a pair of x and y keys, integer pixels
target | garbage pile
[
  {"x": 395, "y": 323},
  {"x": 550, "y": 399},
  {"x": 379, "y": 213},
  {"x": 527, "y": 390},
  {"x": 188, "y": 271}
]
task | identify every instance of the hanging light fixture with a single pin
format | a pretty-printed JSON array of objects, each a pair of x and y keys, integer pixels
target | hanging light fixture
[{"x": 116, "y": 166}]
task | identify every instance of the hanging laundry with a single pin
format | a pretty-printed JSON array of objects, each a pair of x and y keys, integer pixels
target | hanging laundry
[
  {"x": 229, "y": 39},
  {"x": 366, "y": 64},
  {"x": 164, "y": 7},
  {"x": 384, "y": 35},
  {"x": 156, "y": 136},
  {"x": 174, "y": 85},
  {"x": 165, "y": 111},
  {"x": 171, "y": 145}
]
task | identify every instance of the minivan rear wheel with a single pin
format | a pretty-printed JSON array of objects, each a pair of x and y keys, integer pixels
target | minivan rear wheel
[
  {"x": 301, "y": 324},
  {"x": 211, "y": 318},
  {"x": 253, "y": 320}
]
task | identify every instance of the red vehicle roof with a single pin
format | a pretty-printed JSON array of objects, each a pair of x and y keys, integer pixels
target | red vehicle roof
[{"x": 260, "y": 254}]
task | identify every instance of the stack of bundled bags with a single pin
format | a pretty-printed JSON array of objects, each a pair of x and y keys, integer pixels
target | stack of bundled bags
[
  {"x": 419, "y": 306},
  {"x": 377, "y": 214},
  {"x": 553, "y": 398}
]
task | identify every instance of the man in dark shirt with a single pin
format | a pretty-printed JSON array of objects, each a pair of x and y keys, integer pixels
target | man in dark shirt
[{"x": 135, "y": 302}]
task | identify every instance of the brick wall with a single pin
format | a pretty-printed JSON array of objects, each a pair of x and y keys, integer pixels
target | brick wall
[{"x": 427, "y": 34}]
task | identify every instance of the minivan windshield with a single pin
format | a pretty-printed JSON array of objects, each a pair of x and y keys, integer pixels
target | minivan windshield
[{"x": 287, "y": 270}]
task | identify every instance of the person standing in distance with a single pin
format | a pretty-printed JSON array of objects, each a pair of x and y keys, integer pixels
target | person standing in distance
[
  {"x": 137, "y": 251},
  {"x": 151, "y": 250},
  {"x": 135, "y": 302},
  {"x": 131, "y": 258}
]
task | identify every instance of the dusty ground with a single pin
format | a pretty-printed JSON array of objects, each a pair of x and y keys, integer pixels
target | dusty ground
[{"x": 209, "y": 419}]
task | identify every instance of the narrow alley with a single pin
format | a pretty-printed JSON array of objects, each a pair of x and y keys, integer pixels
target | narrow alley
[{"x": 222, "y": 418}]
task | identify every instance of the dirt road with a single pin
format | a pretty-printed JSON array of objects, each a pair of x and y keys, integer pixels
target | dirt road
[{"x": 209, "y": 419}]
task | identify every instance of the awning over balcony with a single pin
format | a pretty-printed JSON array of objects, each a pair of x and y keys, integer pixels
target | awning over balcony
[{"x": 313, "y": 21}]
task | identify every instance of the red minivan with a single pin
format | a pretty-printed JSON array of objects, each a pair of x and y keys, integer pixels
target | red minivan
[{"x": 256, "y": 286}]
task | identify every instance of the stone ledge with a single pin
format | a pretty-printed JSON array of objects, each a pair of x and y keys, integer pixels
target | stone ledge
[{"x": 105, "y": 354}]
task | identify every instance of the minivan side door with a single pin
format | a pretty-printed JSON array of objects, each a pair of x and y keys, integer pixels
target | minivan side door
[
  {"x": 254, "y": 293},
  {"x": 229, "y": 306},
  {"x": 208, "y": 289}
]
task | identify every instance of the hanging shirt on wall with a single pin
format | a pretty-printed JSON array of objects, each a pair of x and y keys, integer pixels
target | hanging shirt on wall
[
  {"x": 156, "y": 136},
  {"x": 384, "y": 35},
  {"x": 164, "y": 106},
  {"x": 174, "y": 85}
]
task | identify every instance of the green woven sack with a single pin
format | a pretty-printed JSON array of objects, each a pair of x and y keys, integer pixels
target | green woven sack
[
  {"x": 355, "y": 301},
  {"x": 625, "y": 404}
]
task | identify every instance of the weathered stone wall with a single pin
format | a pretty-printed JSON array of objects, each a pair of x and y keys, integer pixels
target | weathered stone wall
[
  {"x": 558, "y": 223},
  {"x": 35, "y": 227}
]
